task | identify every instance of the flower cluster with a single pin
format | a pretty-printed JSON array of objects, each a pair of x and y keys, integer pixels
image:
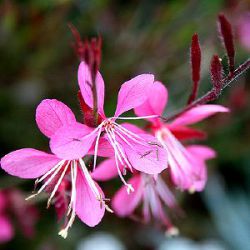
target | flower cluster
[
  {"x": 146, "y": 154},
  {"x": 143, "y": 154}
]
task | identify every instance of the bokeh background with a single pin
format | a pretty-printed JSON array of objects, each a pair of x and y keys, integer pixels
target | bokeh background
[{"x": 37, "y": 62}]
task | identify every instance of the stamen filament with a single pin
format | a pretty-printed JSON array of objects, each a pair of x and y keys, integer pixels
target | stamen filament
[
  {"x": 57, "y": 184},
  {"x": 47, "y": 182},
  {"x": 121, "y": 151},
  {"x": 49, "y": 172},
  {"x": 131, "y": 135},
  {"x": 64, "y": 231},
  {"x": 129, "y": 186},
  {"x": 90, "y": 180},
  {"x": 134, "y": 118},
  {"x": 96, "y": 147}
]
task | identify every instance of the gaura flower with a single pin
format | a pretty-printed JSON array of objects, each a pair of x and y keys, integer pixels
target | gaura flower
[
  {"x": 153, "y": 194},
  {"x": 132, "y": 151},
  {"x": 150, "y": 191},
  {"x": 187, "y": 164},
  {"x": 87, "y": 200}
]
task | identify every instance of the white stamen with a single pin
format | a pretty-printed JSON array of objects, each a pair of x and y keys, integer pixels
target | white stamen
[
  {"x": 89, "y": 179},
  {"x": 64, "y": 231},
  {"x": 112, "y": 134},
  {"x": 134, "y": 118},
  {"x": 57, "y": 184},
  {"x": 131, "y": 135},
  {"x": 129, "y": 186},
  {"x": 49, "y": 172},
  {"x": 47, "y": 182},
  {"x": 96, "y": 147},
  {"x": 124, "y": 139},
  {"x": 73, "y": 180},
  {"x": 95, "y": 130},
  {"x": 115, "y": 148}
]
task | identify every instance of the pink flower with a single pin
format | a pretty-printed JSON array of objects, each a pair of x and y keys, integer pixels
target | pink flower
[
  {"x": 132, "y": 151},
  {"x": 87, "y": 199},
  {"x": 187, "y": 164},
  {"x": 12, "y": 204},
  {"x": 150, "y": 190},
  {"x": 153, "y": 194},
  {"x": 6, "y": 231}
]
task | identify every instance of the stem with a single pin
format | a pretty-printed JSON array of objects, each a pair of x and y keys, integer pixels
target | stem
[
  {"x": 95, "y": 100},
  {"x": 211, "y": 95}
]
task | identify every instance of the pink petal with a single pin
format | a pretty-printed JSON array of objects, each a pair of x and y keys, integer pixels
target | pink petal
[
  {"x": 132, "y": 93},
  {"x": 200, "y": 178},
  {"x": 157, "y": 96},
  {"x": 198, "y": 113},
  {"x": 88, "y": 208},
  {"x": 185, "y": 133},
  {"x": 6, "y": 229},
  {"x": 199, "y": 154},
  {"x": 202, "y": 152},
  {"x": 28, "y": 163},
  {"x": 51, "y": 115},
  {"x": 105, "y": 171},
  {"x": 133, "y": 128},
  {"x": 85, "y": 83},
  {"x": 123, "y": 203},
  {"x": 149, "y": 158},
  {"x": 73, "y": 141},
  {"x": 104, "y": 148}
]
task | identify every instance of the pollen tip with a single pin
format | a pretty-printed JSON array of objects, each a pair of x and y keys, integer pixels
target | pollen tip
[
  {"x": 130, "y": 188},
  {"x": 191, "y": 190},
  {"x": 63, "y": 233},
  {"x": 108, "y": 209},
  {"x": 172, "y": 232}
]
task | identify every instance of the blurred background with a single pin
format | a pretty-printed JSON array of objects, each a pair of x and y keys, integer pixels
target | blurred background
[{"x": 37, "y": 62}]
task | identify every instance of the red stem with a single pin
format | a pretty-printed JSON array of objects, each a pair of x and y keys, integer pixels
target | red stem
[{"x": 211, "y": 95}]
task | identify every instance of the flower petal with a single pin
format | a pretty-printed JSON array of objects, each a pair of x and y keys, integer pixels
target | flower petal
[
  {"x": 157, "y": 96},
  {"x": 6, "y": 232},
  {"x": 85, "y": 84},
  {"x": 185, "y": 133},
  {"x": 28, "y": 163},
  {"x": 88, "y": 208},
  {"x": 123, "y": 203},
  {"x": 202, "y": 152},
  {"x": 133, "y": 128},
  {"x": 73, "y": 141},
  {"x": 198, "y": 113},
  {"x": 105, "y": 171},
  {"x": 148, "y": 157},
  {"x": 104, "y": 148},
  {"x": 132, "y": 93},
  {"x": 51, "y": 115}
]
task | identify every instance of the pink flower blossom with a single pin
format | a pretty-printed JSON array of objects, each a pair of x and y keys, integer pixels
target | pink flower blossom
[
  {"x": 132, "y": 151},
  {"x": 150, "y": 190},
  {"x": 153, "y": 194},
  {"x": 12, "y": 205},
  {"x": 87, "y": 199},
  {"x": 187, "y": 164}
]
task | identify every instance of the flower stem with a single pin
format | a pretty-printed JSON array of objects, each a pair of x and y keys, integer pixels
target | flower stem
[{"x": 212, "y": 95}]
